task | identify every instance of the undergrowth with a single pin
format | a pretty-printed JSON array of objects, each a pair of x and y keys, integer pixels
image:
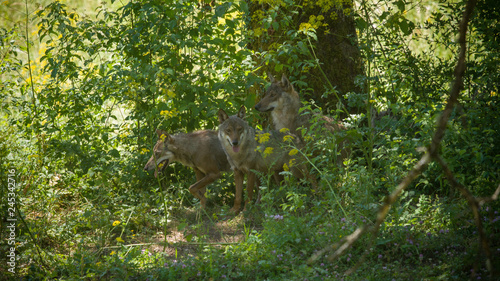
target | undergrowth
[{"x": 77, "y": 126}]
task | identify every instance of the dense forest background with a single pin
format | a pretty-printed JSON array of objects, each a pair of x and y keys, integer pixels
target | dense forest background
[{"x": 85, "y": 85}]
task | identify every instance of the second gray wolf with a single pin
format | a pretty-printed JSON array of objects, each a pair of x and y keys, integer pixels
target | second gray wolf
[
  {"x": 283, "y": 102},
  {"x": 200, "y": 150}
]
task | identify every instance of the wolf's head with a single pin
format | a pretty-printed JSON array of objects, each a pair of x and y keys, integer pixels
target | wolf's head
[
  {"x": 232, "y": 129},
  {"x": 278, "y": 95},
  {"x": 162, "y": 153}
]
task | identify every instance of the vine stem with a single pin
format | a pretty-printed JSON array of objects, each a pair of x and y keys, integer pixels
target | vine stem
[
  {"x": 316, "y": 60},
  {"x": 322, "y": 175},
  {"x": 37, "y": 247},
  {"x": 29, "y": 62},
  {"x": 33, "y": 238}
]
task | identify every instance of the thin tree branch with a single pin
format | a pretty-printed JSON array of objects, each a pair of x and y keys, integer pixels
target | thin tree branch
[
  {"x": 474, "y": 205},
  {"x": 493, "y": 197},
  {"x": 431, "y": 153}
]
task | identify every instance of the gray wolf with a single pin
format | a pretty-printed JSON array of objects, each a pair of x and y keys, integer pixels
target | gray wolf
[
  {"x": 200, "y": 150},
  {"x": 246, "y": 154},
  {"x": 283, "y": 102}
]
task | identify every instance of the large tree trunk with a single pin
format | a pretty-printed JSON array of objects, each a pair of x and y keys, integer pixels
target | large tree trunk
[
  {"x": 339, "y": 54},
  {"x": 336, "y": 50}
]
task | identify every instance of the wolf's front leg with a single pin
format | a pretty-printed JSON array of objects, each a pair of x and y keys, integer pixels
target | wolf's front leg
[
  {"x": 251, "y": 180},
  {"x": 238, "y": 182},
  {"x": 198, "y": 189}
]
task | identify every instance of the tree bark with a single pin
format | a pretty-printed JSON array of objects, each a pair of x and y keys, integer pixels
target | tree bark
[{"x": 336, "y": 50}]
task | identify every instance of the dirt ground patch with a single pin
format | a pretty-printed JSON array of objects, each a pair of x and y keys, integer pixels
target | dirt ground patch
[{"x": 191, "y": 230}]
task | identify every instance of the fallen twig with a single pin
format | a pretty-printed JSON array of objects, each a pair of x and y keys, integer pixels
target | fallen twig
[{"x": 173, "y": 244}]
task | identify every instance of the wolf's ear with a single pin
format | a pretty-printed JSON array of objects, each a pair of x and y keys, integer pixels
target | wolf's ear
[
  {"x": 222, "y": 116},
  {"x": 285, "y": 82},
  {"x": 160, "y": 132},
  {"x": 242, "y": 112},
  {"x": 169, "y": 138},
  {"x": 163, "y": 135},
  {"x": 271, "y": 77}
]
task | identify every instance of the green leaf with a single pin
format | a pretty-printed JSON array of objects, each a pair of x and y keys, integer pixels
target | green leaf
[
  {"x": 401, "y": 5},
  {"x": 361, "y": 23},
  {"x": 115, "y": 153},
  {"x": 182, "y": 226},
  {"x": 406, "y": 26},
  {"x": 220, "y": 10},
  {"x": 276, "y": 25}
]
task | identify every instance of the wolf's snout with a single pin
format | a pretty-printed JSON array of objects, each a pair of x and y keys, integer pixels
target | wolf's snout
[
  {"x": 265, "y": 108},
  {"x": 235, "y": 146}
]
